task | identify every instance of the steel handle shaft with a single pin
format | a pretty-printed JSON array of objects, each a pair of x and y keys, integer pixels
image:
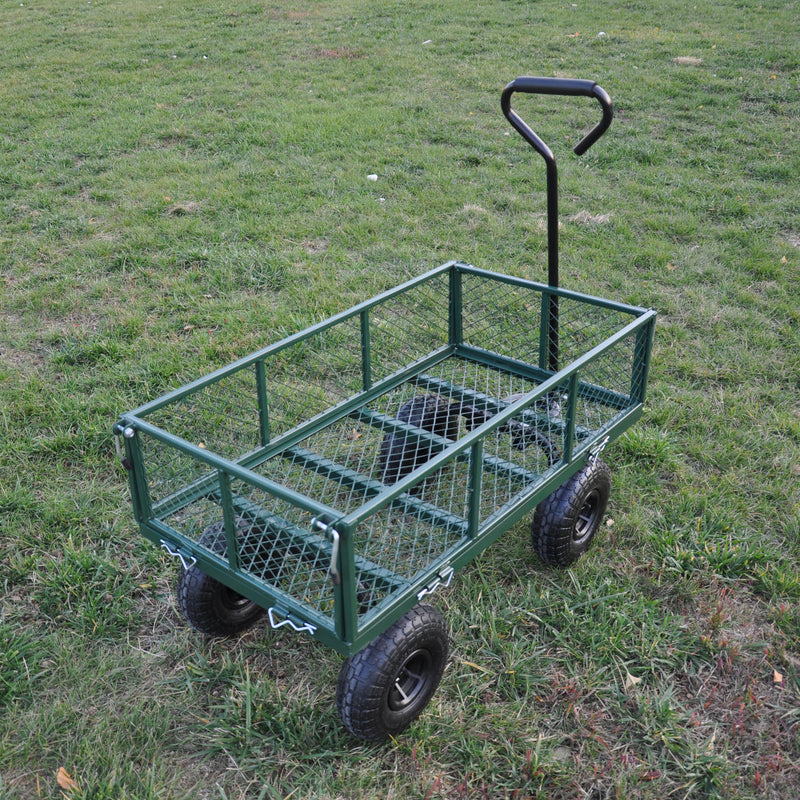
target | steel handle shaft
[{"x": 570, "y": 87}]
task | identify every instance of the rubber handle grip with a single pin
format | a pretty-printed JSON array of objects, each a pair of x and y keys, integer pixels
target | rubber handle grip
[{"x": 570, "y": 87}]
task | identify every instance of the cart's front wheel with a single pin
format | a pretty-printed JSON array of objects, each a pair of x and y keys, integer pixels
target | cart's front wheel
[
  {"x": 209, "y": 606},
  {"x": 565, "y": 522},
  {"x": 385, "y": 686}
]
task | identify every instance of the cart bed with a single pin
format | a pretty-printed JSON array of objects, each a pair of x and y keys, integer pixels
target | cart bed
[{"x": 289, "y": 446}]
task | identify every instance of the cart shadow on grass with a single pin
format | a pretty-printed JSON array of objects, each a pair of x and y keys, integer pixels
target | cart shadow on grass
[{"x": 337, "y": 479}]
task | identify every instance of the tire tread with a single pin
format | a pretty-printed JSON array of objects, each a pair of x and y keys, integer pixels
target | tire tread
[
  {"x": 363, "y": 681},
  {"x": 553, "y": 521}
]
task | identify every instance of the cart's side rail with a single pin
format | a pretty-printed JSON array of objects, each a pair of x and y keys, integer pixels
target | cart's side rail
[{"x": 251, "y": 403}]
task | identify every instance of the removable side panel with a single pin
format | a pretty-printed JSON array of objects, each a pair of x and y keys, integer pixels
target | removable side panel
[
  {"x": 279, "y": 544},
  {"x": 408, "y": 326},
  {"x": 180, "y": 488},
  {"x": 506, "y": 319},
  {"x": 604, "y": 389},
  {"x": 222, "y": 416},
  {"x": 312, "y": 375},
  {"x": 402, "y": 542},
  {"x": 501, "y": 317},
  {"x": 276, "y": 542},
  {"x": 583, "y": 325}
]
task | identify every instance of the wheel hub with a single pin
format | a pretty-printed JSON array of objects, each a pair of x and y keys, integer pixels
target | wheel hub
[
  {"x": 232, "y": 601},
  {"x": 587, "y": 518},
  {"x": 412, "y": 681}
]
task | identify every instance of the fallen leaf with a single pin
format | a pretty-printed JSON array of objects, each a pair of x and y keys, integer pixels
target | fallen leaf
[
  {"x": 631, "y": 680},
  {"x": 65, "y": 780},
  {"x": 777, "y": 678},
  {"x": 475, "y": 666}
]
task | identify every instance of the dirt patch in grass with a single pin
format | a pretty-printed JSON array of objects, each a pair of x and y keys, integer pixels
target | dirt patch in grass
[
  {"x": 336, "y": 53},
  {"x": 792, "y": 238},
  {"x": 590, "y": 220}
]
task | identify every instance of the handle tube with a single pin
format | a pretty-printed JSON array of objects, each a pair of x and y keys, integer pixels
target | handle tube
[{"x": 570, "y": 87}]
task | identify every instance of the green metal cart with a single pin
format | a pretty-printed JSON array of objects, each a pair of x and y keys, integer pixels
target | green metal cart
[{"x": 336, "y": 479}]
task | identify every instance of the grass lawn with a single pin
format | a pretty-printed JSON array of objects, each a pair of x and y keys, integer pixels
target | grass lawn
[{"x": 181, "y": 184}]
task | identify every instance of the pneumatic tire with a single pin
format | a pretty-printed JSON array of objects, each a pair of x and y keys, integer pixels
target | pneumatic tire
[
  {"x": 209, "y": 606},
  {"x": 565, "y": 523},
  {"x": 384, "y": 687}
]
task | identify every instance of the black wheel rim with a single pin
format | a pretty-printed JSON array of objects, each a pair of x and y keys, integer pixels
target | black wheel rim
[
  {"x": 587, "y": 520},
  {"x": 412, "y": 681},
  {"x": 232, "y": 601}
]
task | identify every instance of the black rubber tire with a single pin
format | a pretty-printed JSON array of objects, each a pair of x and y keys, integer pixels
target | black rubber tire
[
  {"x": 209, "y": 606},
  {"x": 384, "y": 687},
  {"x": 401, "y": 454},
  {"x": 565, "y": 523}
]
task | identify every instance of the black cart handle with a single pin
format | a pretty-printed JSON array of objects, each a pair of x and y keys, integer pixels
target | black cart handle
[
  {"x": 571, "y": 87},
  {"x": 560, "y": 86}
]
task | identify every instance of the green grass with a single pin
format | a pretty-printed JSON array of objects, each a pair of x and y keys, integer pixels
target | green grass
[{"x": 180, "y": 185}]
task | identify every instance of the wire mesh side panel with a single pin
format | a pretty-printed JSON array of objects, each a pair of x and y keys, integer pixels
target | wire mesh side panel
[
  {"x": 584, "y": 325},
  {"x": 401, "y": 543},
  {"x": 501, "y": 317},
  {"x": 312, "y": 375},
  {"x": 604, "y": 389},
  {"x": 507, "y": 319},
  {"x": 276, "y": 540},
  {"x": 222, "y": 416},
  {"x": 408, "y": 327},
  {"x": 179, "y": 487},
  {"x": 279, "y": 545},
  {"x": 232, "y": 415}
]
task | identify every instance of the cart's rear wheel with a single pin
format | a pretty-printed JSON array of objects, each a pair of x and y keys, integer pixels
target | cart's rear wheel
[
  {"x": 209, "y": 606},
  {"x": 385, "y": 686},
  {"x": 565, "y": 522}
]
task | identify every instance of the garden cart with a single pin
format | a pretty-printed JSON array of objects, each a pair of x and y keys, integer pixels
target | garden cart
[{"x": 334, "y": 480}]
